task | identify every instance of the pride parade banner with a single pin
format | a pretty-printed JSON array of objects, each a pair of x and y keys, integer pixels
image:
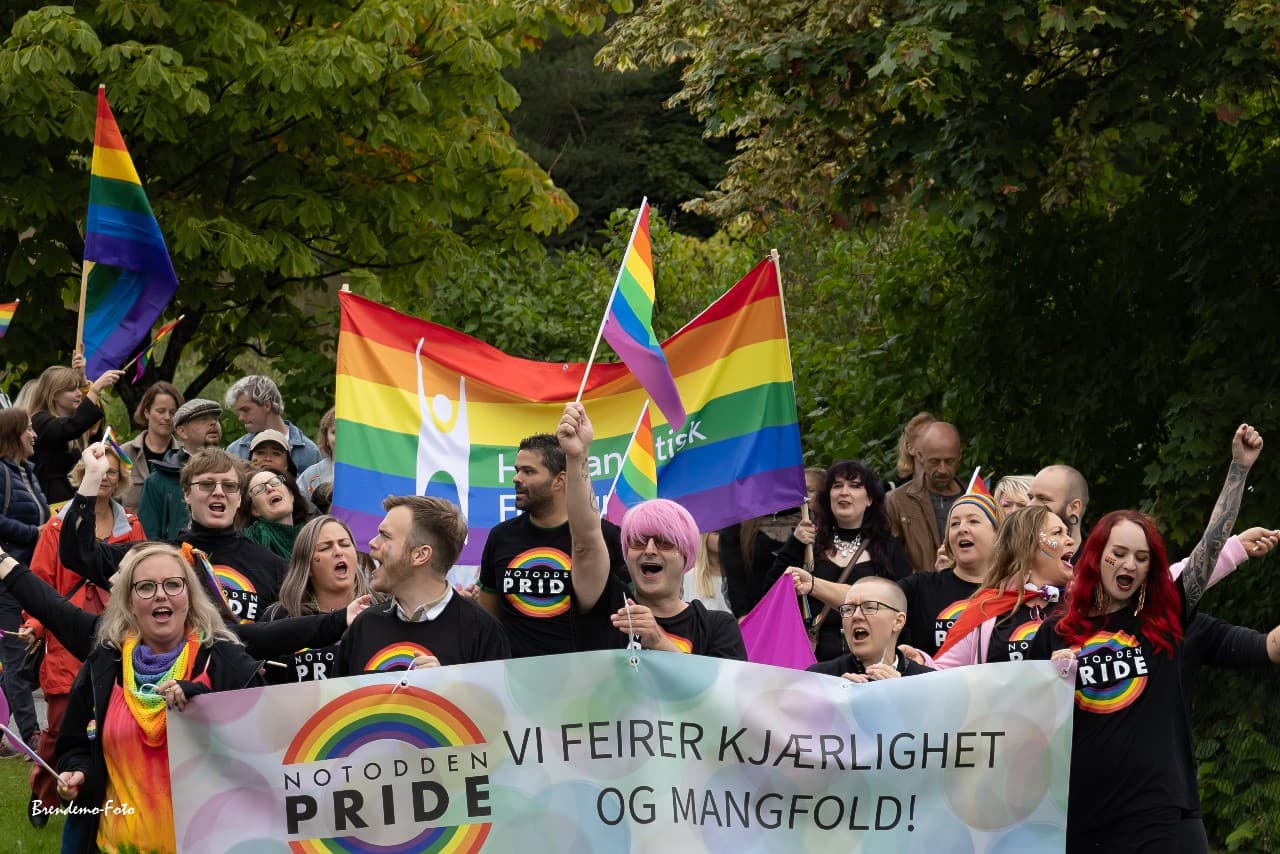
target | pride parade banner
[
  {"x": 426, "y": 410},
  {"x": 585, "y": 752}
]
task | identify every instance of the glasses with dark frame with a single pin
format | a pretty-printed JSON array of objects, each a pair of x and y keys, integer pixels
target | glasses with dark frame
[
  {"x": 147, "y": 589},
  {"x": 868, "y": 607}
]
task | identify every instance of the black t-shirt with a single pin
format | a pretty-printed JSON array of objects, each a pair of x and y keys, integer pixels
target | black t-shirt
[
  {"x": 887, "y": 561},
  {"x": 304, "y": 665},
  {"x": 850, "y": 663},
  {"x": 694, "y": 630},
  {"x": 1131, "y": 742},
  {"x": 249, "y": 575},
  {"x": 378, "y": 640},
  {"x": 934, "y": 602},
  {"x": 528, "y": 568},
  {"x": 1013, "y": 632}
]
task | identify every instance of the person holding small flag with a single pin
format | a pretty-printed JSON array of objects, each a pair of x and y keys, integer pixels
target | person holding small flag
[{"x": 660, "y": 540}]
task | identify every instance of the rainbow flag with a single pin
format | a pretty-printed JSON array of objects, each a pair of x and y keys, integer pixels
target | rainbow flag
[
  {"x": 637, "y": 479},
  {"x": 628, "y": 323},
  {"x": 130, "y": 275},
  {"x": 426, "y": 410},
  {"x": 6, "y": 315},
  {"x": 151, "y": 348},
  {"x": 109, "y": 439}
]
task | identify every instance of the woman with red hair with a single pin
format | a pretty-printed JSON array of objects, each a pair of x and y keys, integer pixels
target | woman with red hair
[{"x": 1133, "y": 779}]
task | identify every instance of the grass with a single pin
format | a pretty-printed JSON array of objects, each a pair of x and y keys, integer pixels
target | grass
[{"x": 16, "y": 833}]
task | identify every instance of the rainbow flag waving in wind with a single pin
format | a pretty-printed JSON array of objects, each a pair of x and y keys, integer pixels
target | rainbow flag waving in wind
[
  {"x": 426, "y": 410},
  {"x": 130, "y": 275},
  {"x": 628, "y": 323},
  {"x": 637, "y": 479}
]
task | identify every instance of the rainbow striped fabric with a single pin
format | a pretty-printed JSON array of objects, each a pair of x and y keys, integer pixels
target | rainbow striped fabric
[
  {"x": 637, "y": 480},
  {"x": 131, "y": 277},
  {"x": 424, "y": 409},
  {"x": 628, "y": 323},
  {"x": 6, "y": 315}
]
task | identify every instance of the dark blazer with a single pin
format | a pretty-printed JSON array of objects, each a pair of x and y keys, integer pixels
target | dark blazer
[{"x": 27, "y": 510}]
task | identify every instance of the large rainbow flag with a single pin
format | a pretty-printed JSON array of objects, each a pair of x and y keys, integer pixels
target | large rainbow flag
[
  {"x": 130, "y": 275},
  {"x": 424, "y": 409}
]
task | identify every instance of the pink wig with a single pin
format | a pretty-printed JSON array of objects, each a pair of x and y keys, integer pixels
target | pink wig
[{"x": 660, "y": 517}]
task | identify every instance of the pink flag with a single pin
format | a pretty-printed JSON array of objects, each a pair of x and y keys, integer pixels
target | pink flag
[{"x": 774, "y": 631}]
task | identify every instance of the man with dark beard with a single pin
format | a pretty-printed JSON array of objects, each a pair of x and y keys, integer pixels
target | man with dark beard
[{"x": 525, "y": 566}]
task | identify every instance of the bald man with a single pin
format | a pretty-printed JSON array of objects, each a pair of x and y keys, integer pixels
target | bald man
[
  {"x": 1064, "y": 491},
  {"x": 918, "y": 511},
  {"x": 872, "y": 617}
]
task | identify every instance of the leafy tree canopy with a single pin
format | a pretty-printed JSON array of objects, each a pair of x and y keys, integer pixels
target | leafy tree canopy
[
  {"x": 983, "y": 111},
  {"x": 281, "y": 146}
]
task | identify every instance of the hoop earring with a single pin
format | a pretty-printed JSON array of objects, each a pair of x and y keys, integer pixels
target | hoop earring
[{"x": 1142, "y": 599}]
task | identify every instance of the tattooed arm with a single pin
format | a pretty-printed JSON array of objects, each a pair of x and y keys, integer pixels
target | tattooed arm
[{"x": 1245, "y": 447}]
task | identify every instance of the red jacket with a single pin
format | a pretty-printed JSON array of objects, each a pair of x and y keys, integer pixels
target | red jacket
[{"x": 60, "y": 667}]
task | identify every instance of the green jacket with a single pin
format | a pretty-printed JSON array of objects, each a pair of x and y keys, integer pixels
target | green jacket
[{"x": 162, "y": 510}]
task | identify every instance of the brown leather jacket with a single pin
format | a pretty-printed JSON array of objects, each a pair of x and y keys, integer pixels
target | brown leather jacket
[{"x": 912, "y": 521}]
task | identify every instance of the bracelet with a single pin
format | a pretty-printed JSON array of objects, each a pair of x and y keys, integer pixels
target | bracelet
[{"x": 812, "y": 580}]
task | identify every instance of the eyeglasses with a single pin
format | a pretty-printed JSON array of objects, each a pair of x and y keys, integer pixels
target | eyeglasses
[
  {"x": 641, "y": 541},
  {"x": 868, "y": 607},
  {"x": 111, "y": 474},
  {"x": 230, "y": 487},
  {"x": 269, "y": 483},
  {"x": 147, "y": 589}
]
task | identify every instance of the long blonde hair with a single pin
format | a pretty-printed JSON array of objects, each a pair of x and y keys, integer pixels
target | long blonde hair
[
  {"x": 118, "y": 622},
  {"x": 707, "y": 582},
  {"x": 1014, "y": 553}
]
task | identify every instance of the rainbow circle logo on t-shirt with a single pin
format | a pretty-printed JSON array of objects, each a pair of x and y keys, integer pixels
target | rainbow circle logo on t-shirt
[
  {"x": 395, "y": 656},
  {"x": 536, "y": 582},
  {"x": 1112, "y": 672}
]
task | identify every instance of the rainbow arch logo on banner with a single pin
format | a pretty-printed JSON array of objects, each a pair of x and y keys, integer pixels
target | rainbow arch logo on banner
[
  {"x": 541, "y": 606},
  {"x": 422, "y": 720},
  {"x": 233, "y": 579}
]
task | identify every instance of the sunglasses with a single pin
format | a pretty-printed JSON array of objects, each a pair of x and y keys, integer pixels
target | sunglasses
[{"x": 641, "y": 541}]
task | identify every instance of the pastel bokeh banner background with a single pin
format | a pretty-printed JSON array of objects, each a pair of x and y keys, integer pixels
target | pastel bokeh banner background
[
  {"x": 426, "y": 410},
  {"x": 583, "y": 752}
]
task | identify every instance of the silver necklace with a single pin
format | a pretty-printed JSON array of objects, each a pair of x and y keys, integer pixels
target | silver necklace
[{"x": 845, "y": 548}]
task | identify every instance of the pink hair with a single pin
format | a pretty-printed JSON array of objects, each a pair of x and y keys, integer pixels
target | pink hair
[{"x": 660, "y": 517}]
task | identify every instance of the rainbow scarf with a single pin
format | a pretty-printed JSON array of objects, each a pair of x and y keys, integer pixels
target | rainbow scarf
[{"x": 146, "y": 706}]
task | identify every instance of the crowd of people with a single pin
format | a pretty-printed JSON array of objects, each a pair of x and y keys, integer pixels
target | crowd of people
[{"x": 153, "y": 571}]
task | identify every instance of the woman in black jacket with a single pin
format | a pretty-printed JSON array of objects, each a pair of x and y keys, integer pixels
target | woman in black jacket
[
  {"x": 62, "y": 411},
  {"x": 22, "y": 511}
]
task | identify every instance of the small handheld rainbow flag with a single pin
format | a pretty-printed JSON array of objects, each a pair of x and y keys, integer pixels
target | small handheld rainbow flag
[
  {"x": 628, "y": 325},
  {"x": 109, "y": 439},
  {"x": 197, "y": 558},
  {"x": 6, "y": 315},
  {"x": 977, "y": 484},
  {"x": 146, "y": 354},
  {"x": 637, "y": 478}
]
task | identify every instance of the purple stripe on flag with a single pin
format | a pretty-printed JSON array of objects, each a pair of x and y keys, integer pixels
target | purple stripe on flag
[
  {"x": 108, "y": 347},
  {"x": 615, "y": 509},
  {"x": 650, "y": 369},
  {"x": 757, "y": 495},
  {"x": 774, "y": 631}
]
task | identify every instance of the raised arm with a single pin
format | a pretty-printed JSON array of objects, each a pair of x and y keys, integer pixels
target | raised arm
[
  {"x": 69, "y": 624},
  {"x": 1246, "y": 445},
  {"x": 79, "y": 548},
  {"x": 590, "y": 555}
]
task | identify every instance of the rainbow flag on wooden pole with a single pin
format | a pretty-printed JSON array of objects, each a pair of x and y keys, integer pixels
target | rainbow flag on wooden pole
[
  {"x": 6, "y": 315},
  {"x": 427, "y": 410},
  {"x": 127, "y": 278},
  {"x": 637, "y": 478},
  {"x": 628, "y": 324}
]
